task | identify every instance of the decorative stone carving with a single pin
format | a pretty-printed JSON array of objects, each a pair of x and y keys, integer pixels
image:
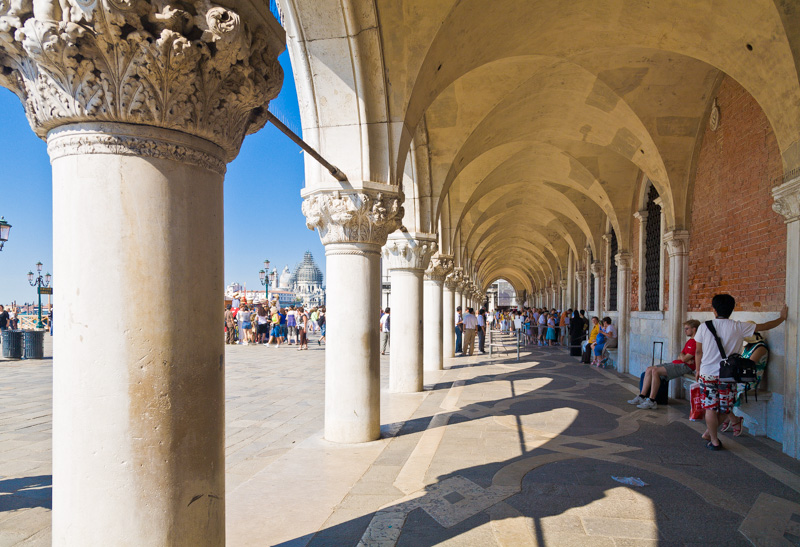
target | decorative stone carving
[
  {"x": 623, "y": 260},
  {"x": 408, "y": 253},
  {"x": 439, "y": 267},
  {"x": 787, "y": 200},
  {"x": 597, "y": 269},
  {"x": 186, "y": 65},
  {"x": 677, "y": 242},
  {"x": 454, "y": 279},
  {"x": 363, "y": 216},
  {"x": 713, "y": 118}
]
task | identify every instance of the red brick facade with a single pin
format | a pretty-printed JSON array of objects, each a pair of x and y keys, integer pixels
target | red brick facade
[{"x": 737, "y": 244}]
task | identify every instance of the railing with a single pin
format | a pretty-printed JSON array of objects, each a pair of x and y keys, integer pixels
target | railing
[{"x": 28, "y": 322}]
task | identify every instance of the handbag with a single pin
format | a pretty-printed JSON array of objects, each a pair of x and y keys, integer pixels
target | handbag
[
  {"x": 734, "y": 368},
  {"x": 697, "y": 413}
]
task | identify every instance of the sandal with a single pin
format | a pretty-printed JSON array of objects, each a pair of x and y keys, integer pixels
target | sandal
[
  {"x": 737, "y": 429},
  {"x": 725, "y": 427},
  {"x": 714, "y": 447}
]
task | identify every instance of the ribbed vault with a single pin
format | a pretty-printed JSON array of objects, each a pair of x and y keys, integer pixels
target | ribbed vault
[{"x": 519, "y": 130}]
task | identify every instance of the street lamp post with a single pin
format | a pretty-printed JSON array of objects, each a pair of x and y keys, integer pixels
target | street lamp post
[
  {"x": 263, "y": 275},
  {"x": 39, "y": 282},
  {"x": 5, "y": 229}
]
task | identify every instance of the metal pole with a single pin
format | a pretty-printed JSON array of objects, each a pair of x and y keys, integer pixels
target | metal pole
[
  {"x": 332, "y": 169},
  {"x": 39, "y": 325}
]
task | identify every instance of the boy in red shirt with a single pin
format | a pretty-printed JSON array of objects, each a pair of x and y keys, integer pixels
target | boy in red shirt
[{"x": 653, "y": 376}]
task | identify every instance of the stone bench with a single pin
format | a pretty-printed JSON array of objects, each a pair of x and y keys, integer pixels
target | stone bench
[
  {"x": 612, "y": 358},
  {"x": 754, "y": 413}
]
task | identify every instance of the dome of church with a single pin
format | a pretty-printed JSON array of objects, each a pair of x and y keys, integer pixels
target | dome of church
[
  {"x": 285, "y": 281},
  {"x": 307, "y": 272}
]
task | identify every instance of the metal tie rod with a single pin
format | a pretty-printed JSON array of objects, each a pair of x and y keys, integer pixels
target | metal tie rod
[{"x": 332, "y": 169}]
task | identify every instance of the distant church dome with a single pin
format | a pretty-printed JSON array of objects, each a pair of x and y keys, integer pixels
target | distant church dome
[
  {"x": 307, "y": 272},
  {"x": 285, "y": 281}
]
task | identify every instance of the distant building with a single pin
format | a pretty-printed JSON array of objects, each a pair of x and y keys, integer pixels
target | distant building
[{"x": 301, "y": 287}]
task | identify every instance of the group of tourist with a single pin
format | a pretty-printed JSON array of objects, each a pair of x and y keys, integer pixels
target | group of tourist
[
  {"x": 268, "y": 324},
  {"x": 468, "y": 326},
  {"x": 708, "y": 345}
]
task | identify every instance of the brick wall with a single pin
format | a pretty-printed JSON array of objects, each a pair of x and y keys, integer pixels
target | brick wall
[{"x": 738, "y": 244}]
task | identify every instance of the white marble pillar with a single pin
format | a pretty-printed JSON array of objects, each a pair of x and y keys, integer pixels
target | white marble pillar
[
  {"x": 434, "y": 325},
  {"x": 597, "y": 272},
  {"x": 407, "y": 256},
  {"x": 581, "y": 286},
  {"x": 787, "y": 203},
  {"x": 352, "y": 249},
  {"x": 623, "y": 260},
  {"x": 677, "y": 242},
  {"x": 138, "y": 395},
  {"x": 562, "y": 297},
  {"x": 448, "y": 316},
  {"x": 570, "y": 296}
]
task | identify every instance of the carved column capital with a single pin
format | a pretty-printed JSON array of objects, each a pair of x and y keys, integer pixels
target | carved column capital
[
  {"x": 404, "y": 251},
  {"x": 453, "y": 279},
  {"x": 354, "y": 216},
  {"x": 677, "y": 242},
  {"x": 787, "y": 200},
  {"x": 641, "y": 216},
  {"x": 580, "y": 275},
  {"x": 597, "y": 269},
  {"x": 194, "y": 67},
  {"x": 440, "y": 266},
  {"x": 623, "y": 260}
]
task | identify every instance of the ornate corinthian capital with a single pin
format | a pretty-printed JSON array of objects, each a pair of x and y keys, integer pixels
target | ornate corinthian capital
[
  {"x": 677, "y": 242},
  {"x": 358, "y": 216},
  {"x": 404, "y": 251},
  {"x": 454, "y": 279},
  {"x": 597, "y": 269},
  {"x": 439, "y": 267},
  {"x": 623, "y": 260},
  {"x": 787, "y": 200},
  {"x": 186, "y": 65}
]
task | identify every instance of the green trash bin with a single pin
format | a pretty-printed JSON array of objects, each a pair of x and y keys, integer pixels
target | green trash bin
[
  {"x": 33, "y": 342},
  {"x": 12, "y": 344}
]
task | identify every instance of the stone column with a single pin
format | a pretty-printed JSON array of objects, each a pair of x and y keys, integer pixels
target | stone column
[
  {"x": 787, "y": 203},
  {"x": 563, "y": 294},
  {"x": 677, "y": 242},
  {"x": 448, "y": 314},
  {"x": 581, "y": 282},
  {"x": 597, "y": 272},
  {"x": 139, "y": 148},
  {"x": 623, "y": 260},
  {"x": 571, "y": 301},
  {"x": 407, "y": 256},
  {"x": 434, "y": 321},
  {"x": 607, "y": 258},
  {"x": 353, "y": 224}
]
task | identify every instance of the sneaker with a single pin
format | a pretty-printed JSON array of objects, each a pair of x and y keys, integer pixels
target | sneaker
[
  {"x": 637, "y": 400},
  {"x": 648, "y": 404}
]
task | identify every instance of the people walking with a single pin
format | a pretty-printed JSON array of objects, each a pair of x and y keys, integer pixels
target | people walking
[
  {"x": 470, "y": 323},
  {"x": 385, "y": 324},
  {"x": 230, "y": 324},
  {"x": 459, "y": 326}
]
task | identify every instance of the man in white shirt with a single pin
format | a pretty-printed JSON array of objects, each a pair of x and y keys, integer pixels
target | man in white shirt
[
  {"x": 470, "y": 324},
  {"x": 385, "y": 324},
  {"x": 718, "y": 396}
]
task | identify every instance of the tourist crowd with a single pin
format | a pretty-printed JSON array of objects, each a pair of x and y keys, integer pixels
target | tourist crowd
[{"x": 273, "y": 326}]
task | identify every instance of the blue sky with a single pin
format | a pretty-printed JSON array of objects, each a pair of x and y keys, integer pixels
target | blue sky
[{"x": 262, "y": 200}]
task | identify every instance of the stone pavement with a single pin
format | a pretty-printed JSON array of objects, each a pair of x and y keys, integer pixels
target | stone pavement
[{"x": 494, "y": 452}]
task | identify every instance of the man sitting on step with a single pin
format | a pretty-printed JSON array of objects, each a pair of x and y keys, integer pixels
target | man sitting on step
[{"x": 653, "y": 376}]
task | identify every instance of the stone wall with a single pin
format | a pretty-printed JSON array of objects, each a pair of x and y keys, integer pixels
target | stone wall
[
  {"x": 738, "y": 244},
  {"x": 646, "y": 328}
]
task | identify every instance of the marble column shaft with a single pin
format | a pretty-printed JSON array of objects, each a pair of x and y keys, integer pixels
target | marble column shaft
[
  {"x": 353, "y": 225},
  {"x": 787, "y": 203},
  {"x": 448, "y": 314},
  {"x": 623, "y": 261},
  {"x": 138, "y": 395},
  {"x": 597, "y": 272},
  {"x": 407, "y": 256},
  {"x": 677, "y": 242}
]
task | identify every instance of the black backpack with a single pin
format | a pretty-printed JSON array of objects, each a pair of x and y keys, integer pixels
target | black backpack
[{"x": 733, "y": 368}]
